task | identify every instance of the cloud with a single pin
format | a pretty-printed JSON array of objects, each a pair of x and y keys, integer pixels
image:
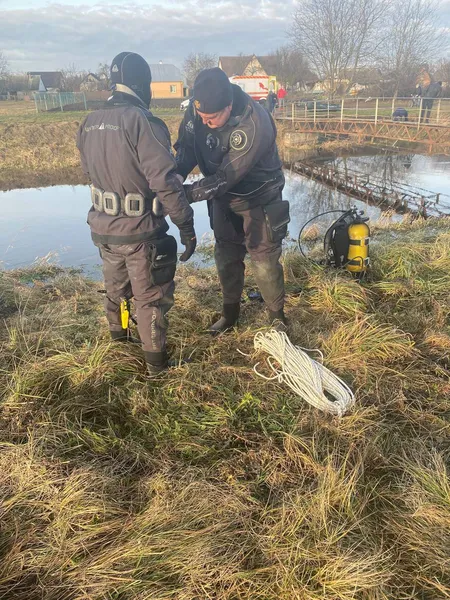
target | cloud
[{"x": 57, "y": 35}]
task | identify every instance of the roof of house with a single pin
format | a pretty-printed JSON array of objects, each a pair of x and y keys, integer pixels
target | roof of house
[
  {"x": 235, "y": 65},
  {"x": 51, "y": 79},
  {"x": 164, "y": 72},
  {"x": 91, "y": 75}
]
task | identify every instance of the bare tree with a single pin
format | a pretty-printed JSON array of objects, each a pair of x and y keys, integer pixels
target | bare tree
[
  {"x": 72, "y": 78},
  {"x": 194, "y": 63},
  {"x": 411, "y": 38},
  {"x": 103, "y": 73},
  {"x": 337, "y": 36},
  {"x": 291, "y": 67},
  {"x": 4, "y": 71},
  {"x": 4, "y": 65},
  {"x": 442, "y": 70}
]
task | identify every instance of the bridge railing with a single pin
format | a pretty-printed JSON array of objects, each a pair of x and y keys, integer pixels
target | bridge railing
[{"x": 412, "y": 110}]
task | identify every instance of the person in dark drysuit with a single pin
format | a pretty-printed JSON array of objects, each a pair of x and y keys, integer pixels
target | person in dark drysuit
[
  {"x": 126, "y": 152},
  {"x": 400, "y": 114},
  {"x": 271, "y": 101},
  {"x": 433, "y": 91},
  {"x": 232, "y": 139}
]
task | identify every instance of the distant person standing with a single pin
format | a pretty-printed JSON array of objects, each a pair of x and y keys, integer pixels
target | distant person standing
[
  {"x": 271, "y": 101},
  {"x": 281, "y": 96},
  {"x": 433, "y": 91}
]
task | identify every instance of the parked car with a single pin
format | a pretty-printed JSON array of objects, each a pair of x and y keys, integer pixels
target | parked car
[{"x": 185, "y": 104}]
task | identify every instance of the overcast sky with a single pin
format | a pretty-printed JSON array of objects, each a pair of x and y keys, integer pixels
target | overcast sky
[{"x": 38, "y": 35}]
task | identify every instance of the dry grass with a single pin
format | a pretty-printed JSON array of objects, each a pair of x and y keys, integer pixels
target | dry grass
[
  {"x": 39, "y": 150},
  {"x": 212, "y": 483}
]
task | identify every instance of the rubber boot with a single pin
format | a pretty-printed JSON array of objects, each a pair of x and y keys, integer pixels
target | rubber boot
[
  {"x": 157, "y": 363},
  {"x": 277, "y": 320},
  {"x": 227, "y": 320},
  {"x": 121, "y": 336}
]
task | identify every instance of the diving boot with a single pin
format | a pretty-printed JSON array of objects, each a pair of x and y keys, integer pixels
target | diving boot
[
  {"x": 122, "y": 336},
  {"x": 228, "y": 320},
  {"x": 277, "y": 320},
  {"x": 157, "y": 363}
]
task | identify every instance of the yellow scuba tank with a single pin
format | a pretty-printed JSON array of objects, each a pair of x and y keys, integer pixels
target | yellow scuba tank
[
  {"x": 346, "y": 241},
  {"x": 358, "y": 250}
]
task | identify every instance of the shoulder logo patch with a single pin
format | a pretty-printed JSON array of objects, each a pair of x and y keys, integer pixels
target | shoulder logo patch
[
  {"x": 190, "y": 127},
  {"x": 238, "y": 140}
]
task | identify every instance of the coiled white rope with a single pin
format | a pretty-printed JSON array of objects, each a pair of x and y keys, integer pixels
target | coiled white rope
[{"x": 305, "y": 376}]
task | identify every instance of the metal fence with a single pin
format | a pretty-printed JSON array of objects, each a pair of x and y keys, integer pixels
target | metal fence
[
  {"x": 52, "y": 101},
  {"x": 413, "y": 110}
]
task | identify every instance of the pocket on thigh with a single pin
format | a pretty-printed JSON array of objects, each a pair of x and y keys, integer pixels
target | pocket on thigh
[
  {"x": 163, "y": 259},
  {"x": 277, "y": 218}
]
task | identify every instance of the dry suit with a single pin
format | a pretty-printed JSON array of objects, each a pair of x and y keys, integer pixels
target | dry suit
[
  {"x": 126, "y": 152},
  {"x": 242, "y": 184}
]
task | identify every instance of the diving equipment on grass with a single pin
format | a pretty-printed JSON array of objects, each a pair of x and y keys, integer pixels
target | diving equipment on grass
[{"x": 346, "y": 241}]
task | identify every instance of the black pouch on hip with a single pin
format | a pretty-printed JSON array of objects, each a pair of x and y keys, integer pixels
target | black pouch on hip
[
  {"x": 163, "y": 256},
  {"x": 277, "y": 219}
]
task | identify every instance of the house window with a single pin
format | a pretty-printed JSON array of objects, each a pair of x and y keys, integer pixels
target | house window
[{"x": 173, "y": 89}]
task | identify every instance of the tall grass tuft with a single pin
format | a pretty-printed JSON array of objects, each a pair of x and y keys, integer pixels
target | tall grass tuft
[{"x": 211, "y": 483}]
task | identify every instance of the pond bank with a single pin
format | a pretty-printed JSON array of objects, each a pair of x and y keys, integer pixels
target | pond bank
[{"x": 41, "y": 153}]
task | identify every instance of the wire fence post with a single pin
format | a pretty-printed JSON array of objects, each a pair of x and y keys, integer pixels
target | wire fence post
[
  {"x": 376, "y": 111},
  {"x": 342, "y": 110},
  {"x": 393, "y": 105},
  {"x": 60, "y": 103},
  {"x": 315, "y": 110},
  {"x": 293, "y": 111},
  {"x": 420, "y": 114},
  {"x": 438, "y": 111},
  {"x": 357, "y": 106}
]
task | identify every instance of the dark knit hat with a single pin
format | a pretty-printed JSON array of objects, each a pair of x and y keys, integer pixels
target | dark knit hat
[
  {"x": 131, "y": 70},
  {"x": 212, "y": 91}
]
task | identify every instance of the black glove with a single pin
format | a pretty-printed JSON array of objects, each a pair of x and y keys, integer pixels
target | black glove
[
  {"x": 188, "y": 191},
  {"x": 188, "y": 239}
]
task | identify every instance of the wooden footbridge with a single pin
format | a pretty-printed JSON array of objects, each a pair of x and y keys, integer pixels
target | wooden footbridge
[{"x": 374, "y": 119}]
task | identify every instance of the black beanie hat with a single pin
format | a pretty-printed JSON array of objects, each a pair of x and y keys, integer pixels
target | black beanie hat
[
  {"x": 131, "y": 70},
  {"x": 212, "y": 91}
]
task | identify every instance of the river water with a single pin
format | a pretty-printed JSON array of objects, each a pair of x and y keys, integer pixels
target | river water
[{"x": 50, "y": 223}]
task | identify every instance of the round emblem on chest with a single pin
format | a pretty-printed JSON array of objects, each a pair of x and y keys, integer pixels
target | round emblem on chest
[{"x": 238, "y": 140}]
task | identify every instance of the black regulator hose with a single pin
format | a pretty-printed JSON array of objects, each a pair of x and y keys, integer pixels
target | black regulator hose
[{"x": 328, "y": 212}]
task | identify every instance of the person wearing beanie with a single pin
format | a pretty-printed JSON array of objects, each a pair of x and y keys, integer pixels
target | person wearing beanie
[
  {"x": 232, "y": 139},
  {"x": 126, "y": 153}
]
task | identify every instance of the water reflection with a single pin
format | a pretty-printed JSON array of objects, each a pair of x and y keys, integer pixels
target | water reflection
[
  {"x": 52, "y": 221},
  {"x": 308, "y": 198},
  {"x": 422, "y": 175}
]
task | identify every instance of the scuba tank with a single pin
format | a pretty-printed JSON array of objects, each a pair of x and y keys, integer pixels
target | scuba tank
[{"x": 346, "y": 242}]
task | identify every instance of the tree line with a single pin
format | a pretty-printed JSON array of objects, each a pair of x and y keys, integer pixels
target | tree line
[{"x": 333, "y": 41}]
